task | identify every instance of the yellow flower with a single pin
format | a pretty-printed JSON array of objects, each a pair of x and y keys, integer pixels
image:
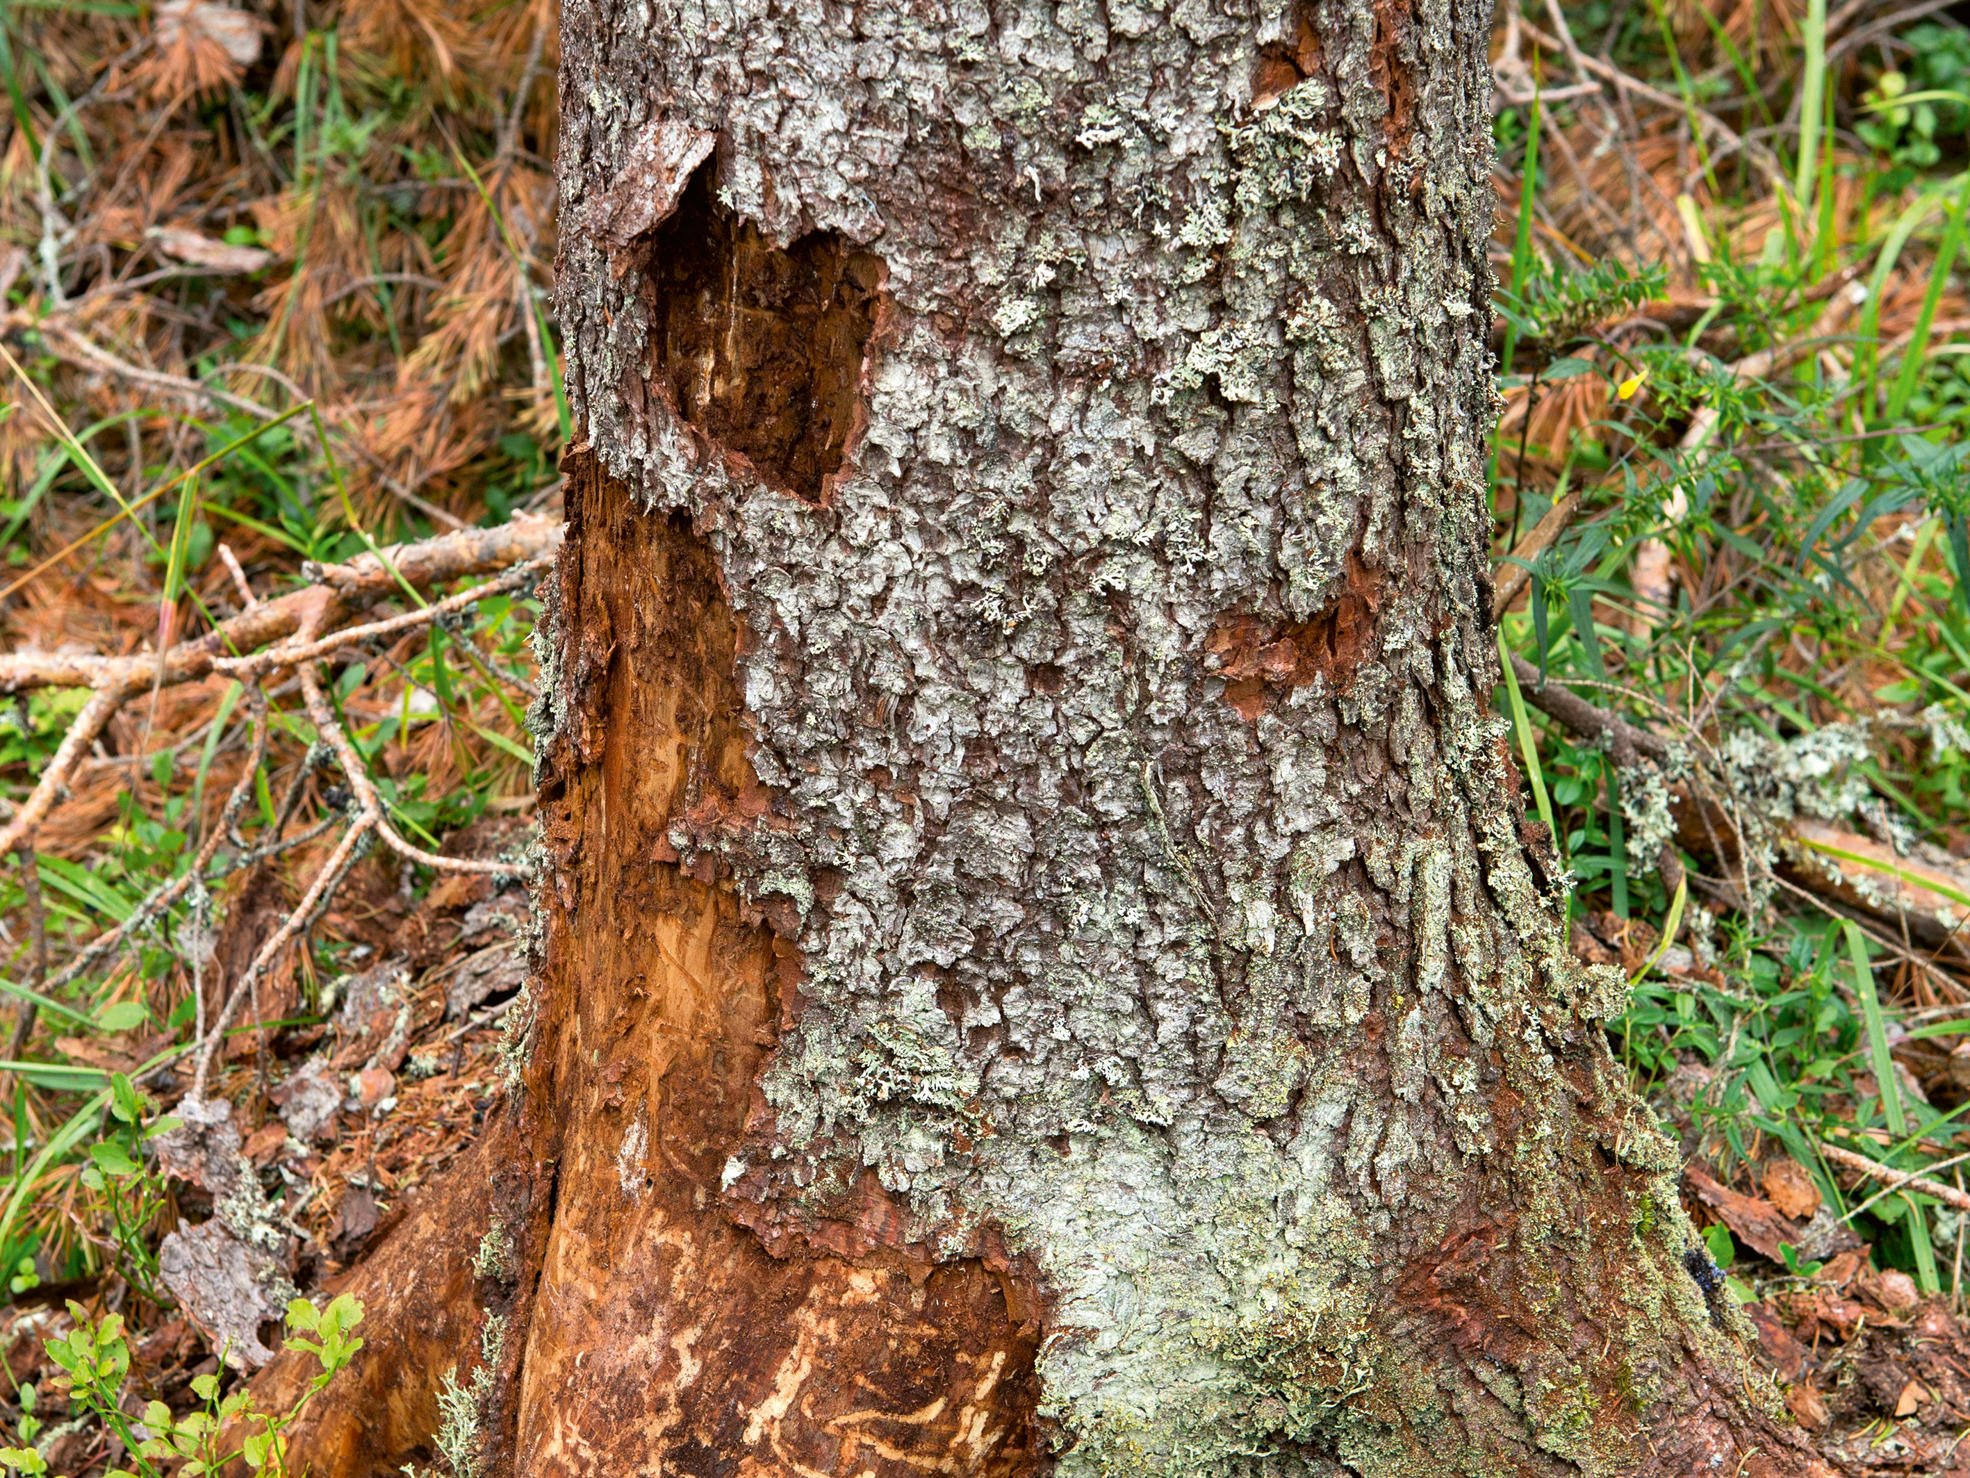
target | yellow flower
[{"x": 1627, "y": 388}]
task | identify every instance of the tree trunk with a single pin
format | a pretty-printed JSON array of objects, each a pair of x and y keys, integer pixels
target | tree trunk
[{"x": 1044, "y": 964}]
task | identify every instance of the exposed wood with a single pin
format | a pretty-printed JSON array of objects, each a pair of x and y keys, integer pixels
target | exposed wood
[{"x": 662, "y": 1332}]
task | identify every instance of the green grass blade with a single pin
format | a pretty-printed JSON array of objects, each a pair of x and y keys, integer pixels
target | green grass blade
[
  {"x": 1812, "y": 101},
  {"x": 1671, "y": 926},
  {"x": 1522, "y": 236},
  {"x": 1617, "y": 839},
  {"x": 1879, "y": 1058},
  {"x": 1926, "y": 1276},
  {"x": 1916, "y": 353},
  {"x": 1867, "y": 358},
  {"x": 45, "y": 1002},
  {"x": 1522, "y": 727}
]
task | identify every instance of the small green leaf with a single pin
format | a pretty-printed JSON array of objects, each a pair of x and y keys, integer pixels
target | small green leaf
[
  {"x": 1723, "y": 1251},
  {"x": 112, "y": 1159},
  {"x": 123, "y": 1016}
]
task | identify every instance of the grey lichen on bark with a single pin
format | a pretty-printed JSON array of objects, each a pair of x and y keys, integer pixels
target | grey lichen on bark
[{"x": 1141, "y": 820}]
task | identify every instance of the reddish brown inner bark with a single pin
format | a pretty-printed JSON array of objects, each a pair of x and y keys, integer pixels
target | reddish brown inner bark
[
  {"x": 662, "y": 1334},
  {"x": 1391, "y": 70},
  {"x": 423, "y": 1309},
  {"x": 1257, "y": 658},
  {"x": 1284, "y": 65}
]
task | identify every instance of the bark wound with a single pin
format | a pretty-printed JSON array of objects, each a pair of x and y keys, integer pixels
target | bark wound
[
  {"x": 1258, "y": 658},
  {"x": 664, "y": 1335},
  {"x": 1284, "y": 65},
  {"x": 1393, "y": 76},
  {"x": 758, "y": 347}
]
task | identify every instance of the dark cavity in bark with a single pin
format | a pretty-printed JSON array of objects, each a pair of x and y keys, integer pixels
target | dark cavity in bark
[{"x": 761, "y": 348}]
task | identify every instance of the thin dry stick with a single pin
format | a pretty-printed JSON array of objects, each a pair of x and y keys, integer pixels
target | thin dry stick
[
  {"x": 1896, "y": 1180},
  {"x": 163, "y": 897},
  {"x": 325, "y": 882},
  {"x": 1516, "y": 568},
  {"x": 88, "y": 727},
  {"x": 370, "y": 818},
  {"x": 339, "y": 589},
  {"x": 37, "y": 923},
  {"x": 1595, "y": 67},
  {"x": 357, "y": 774},
  {"x": 291, "y": 655},
  {"x": 1888, "y": 1190},
  {"x": 1624, "y": 740}
]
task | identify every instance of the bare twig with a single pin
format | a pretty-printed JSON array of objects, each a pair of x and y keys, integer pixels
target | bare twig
[
  {"x": 289, "y": 655},
  {"x": 339, "y": 590},
  {"x": 345, "y": 855},
  {"x": 166, "y": 895},
  {"x": 1897, "y": 1180},
  {"x": 37, "y": 923},
  {"x": 1624, "y": 740},
  {"x": 1710, "y": 123},
  {"x": 371, "y": 804},
  {"x": 84, "y": 732}
]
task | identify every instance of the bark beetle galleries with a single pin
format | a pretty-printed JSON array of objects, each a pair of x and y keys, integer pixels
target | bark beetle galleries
[
  {"x": 662, "y": 1334},
  {"x": 759, "y": 348}
]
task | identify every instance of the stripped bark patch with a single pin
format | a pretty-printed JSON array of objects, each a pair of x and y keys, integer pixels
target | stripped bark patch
[
  {"x": 1284, "y": 65},
  {"x": 1390, "y": 69},
  {"x": 761, "y": 348},
  {"x": 676, "y": 1324},
  {"x": 1260, "y": 658}
]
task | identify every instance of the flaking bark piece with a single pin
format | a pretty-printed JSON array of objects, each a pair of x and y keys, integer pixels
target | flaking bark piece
[
  {"x": 226, "y": 1288},
  {"x": 203, "y": 1150},
  {"x": 373, "y": 1022},
  {"x": 493, "y": 972},
  {"x": 309, "y": 1101}
]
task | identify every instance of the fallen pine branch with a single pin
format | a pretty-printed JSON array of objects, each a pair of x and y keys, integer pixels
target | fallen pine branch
[
  {"x": 1839, "y": 869},
  {"x": 293, "y": 633},
  {"x": 289, "y": 631}
]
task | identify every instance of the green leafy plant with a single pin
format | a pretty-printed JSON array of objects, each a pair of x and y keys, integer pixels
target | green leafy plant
[
  {"x": 94, "y": 1357},
  {"x": 1919, "y": 108}
]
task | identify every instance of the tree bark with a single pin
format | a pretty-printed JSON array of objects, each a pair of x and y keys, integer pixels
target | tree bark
[{"x": 1044, "y": 964}]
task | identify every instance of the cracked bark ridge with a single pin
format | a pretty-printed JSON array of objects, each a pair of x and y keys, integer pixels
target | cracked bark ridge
[{"x": 1043, "y": 967}]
